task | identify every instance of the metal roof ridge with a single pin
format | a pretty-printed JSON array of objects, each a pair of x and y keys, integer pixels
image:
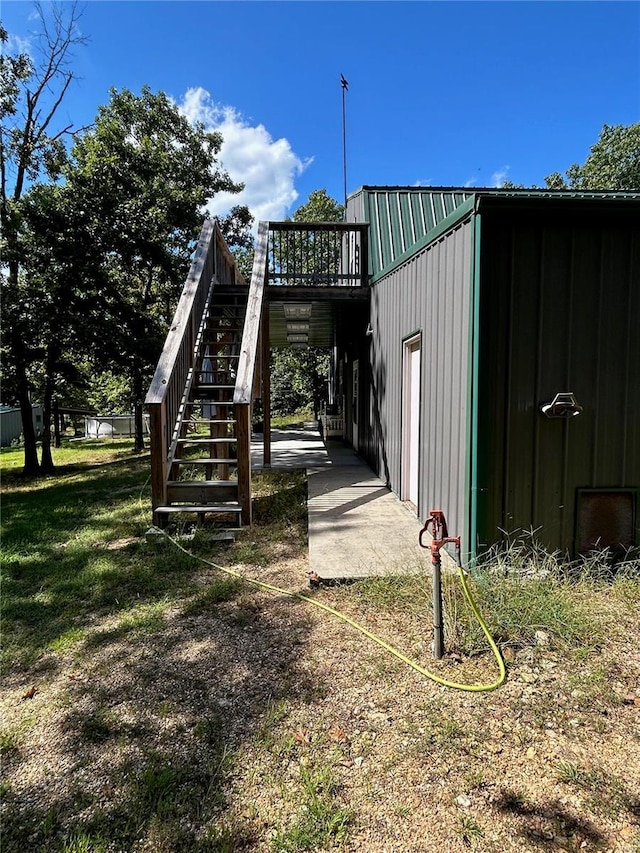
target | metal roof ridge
[{"x": 533, "y": 191}]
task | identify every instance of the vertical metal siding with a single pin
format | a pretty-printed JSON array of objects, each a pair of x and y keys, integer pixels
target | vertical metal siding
[
  {"x": 430, "y": 294},
  {"x": 402, "y": 216},
  {"x": 560, "y": 312}
]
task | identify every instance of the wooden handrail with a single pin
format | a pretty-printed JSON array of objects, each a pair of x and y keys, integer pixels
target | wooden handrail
[
  {"x": 193, "y": 300},
  {"x": 243, "y": 392},
  {"x": 249, "y": 348}
]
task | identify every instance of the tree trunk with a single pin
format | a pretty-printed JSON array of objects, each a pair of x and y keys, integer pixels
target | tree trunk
[
  {"x": 17, "y": 337},
  {"x": 46, "y": 462},
  {"x": 57, "y": 441},
  {"x": 136, "y": 387},
  {"x": 31, "y": 465}
]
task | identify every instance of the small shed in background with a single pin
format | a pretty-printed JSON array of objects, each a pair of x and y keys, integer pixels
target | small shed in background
[
  {"x": 101, "y": 426},
  {"x": 11, "y": 424}
]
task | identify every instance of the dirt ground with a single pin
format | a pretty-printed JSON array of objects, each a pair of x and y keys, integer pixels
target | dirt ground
[{"x": 256, "y": 722}]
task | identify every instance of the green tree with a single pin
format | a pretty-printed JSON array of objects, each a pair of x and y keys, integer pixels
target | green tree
[
  {"x": 236, "y": 227},
  {"x": 31, "y": 145},
  {"x": 319, "y": 207},
  {"x": 144, "y": 173},
  {"x": 298, "y": 379},
  {"x": 236, "y": 230},
  {"x": 613, "y": 164},
  {"x": 63, "y": 279}
]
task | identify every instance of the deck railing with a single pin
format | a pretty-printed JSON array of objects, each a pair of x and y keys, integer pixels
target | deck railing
[
  {"x": 317, "y": 254},
  {"x": 212, "y": 263}
]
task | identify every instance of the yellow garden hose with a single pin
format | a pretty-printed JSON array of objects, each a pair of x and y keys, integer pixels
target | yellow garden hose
[{"x": 471, "y": 688}]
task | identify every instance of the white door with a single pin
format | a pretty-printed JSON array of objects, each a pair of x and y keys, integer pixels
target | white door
[
  {"x": 411, "y": 420},
  {"x": 356, "y": 389}
]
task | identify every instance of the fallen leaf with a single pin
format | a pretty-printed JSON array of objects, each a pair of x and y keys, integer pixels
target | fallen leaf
[
  {"x": 336, "y": 733},
  {"x": 531, "y": 752},
  {"x": 30, "y": 693},
  {"x": 302, "y": 736}
]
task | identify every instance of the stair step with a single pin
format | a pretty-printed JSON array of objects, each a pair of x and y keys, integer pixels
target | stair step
[
  {"x": 208, "y": 386},
  {"x": 223, "y": 328},
  {"x": 198, "y": 460},
  {"x": 215, "y": 355},
  {"x": 202, "y": 491},
  {"x": 209, "y": 484},
  {"x": 217, "y": 403},
  {"x": 214, "y": 343},
  {"x": 219, "y": 508},
  {"x": 229, "y": 439},
  {"x": 204, "y": 421}
]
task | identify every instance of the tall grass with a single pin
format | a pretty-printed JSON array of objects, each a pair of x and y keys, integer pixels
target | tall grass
[{"x": 520, "y": 591}]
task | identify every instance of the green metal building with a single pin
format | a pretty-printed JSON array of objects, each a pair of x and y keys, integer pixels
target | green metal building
[{"x": 498, "y": 377}]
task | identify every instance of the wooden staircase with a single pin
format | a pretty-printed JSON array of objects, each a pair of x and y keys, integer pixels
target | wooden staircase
[
  {"x": 215, "y": 361},
  {"x": 203, "y": 388},
  {"x": 203, "y": 475}
]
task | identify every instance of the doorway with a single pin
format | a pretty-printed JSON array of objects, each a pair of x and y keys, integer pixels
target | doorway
[
  {"x": 356, "y": 402},
  {"x": 411, "y": 369}
]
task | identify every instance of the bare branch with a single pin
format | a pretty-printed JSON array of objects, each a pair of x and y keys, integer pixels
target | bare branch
[
  {"x": 54, "y": 108},
  {"x": 51, "y": 79}
]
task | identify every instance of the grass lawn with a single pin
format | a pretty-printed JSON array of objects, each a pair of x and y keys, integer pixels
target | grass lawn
[{"x": 152, "y": 702}]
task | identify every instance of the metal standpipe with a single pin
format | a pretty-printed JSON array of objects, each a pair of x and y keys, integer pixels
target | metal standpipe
[{"x": 439, "y": 538}]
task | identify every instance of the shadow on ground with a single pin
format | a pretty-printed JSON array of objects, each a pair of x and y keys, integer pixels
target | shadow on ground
[{"x": 152, "y": 669}]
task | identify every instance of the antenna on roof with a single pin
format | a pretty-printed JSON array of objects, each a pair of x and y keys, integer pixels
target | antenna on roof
[{"x": 345, "y": 87}]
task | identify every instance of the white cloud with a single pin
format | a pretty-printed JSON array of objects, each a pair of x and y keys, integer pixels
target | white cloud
[
  {"x": 267, "y": 167},
  {"x": 17, "y": 44},
  {"x": 498, "y": 178}
]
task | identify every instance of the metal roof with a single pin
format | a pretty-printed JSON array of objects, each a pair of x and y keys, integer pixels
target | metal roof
[{"x": 402, "y": 219}]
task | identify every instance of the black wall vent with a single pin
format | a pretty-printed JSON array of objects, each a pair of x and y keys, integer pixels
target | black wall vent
[{"x": 606, "y": 518}]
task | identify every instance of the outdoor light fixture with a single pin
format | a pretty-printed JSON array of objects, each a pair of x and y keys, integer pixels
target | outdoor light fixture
[
  {"x": 298, "y": 339},
  {"x": 297, "y": 327},
  {"x": 299, "y": 346},
  {"x": 563, "y": 405},
  {"x": 296, "y": 311}
]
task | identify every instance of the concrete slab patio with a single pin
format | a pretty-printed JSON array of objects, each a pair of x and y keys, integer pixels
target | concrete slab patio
[{"x": 357, "y": 527}]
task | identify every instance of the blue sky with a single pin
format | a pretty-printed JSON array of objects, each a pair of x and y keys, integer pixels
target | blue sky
[{"x": 440, "y": 93}]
